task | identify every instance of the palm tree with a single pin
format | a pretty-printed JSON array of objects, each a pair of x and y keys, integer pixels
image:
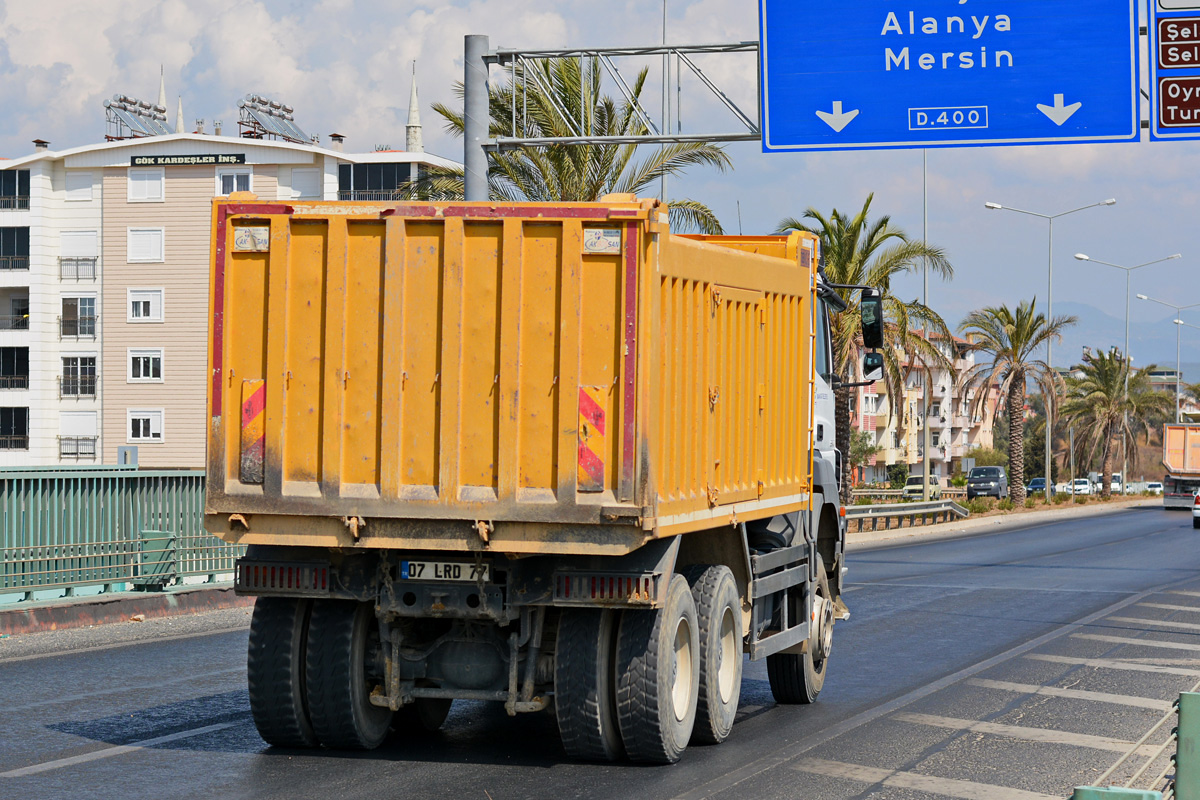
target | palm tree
[
  {"x": 1011, "y": 338},
  {"x": 551, "y": 92},
  {"x": 1104, "y": 411},
  {"x": 855, "y": 250}
]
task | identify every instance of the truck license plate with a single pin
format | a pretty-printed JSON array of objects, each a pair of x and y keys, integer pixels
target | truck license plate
[{"x": 444, "y": 571}]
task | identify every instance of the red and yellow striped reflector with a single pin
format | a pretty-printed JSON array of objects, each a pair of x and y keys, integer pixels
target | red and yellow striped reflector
[
  {"x": 254, "y": 441},
  {"x": 591, "y": 438}
]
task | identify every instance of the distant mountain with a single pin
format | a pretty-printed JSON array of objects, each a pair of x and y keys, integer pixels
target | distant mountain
[{"x": 1150, "y": 342}]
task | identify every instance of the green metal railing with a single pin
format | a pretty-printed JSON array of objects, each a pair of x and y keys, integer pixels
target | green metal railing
[
  {"x": 62, "y": 529},
  {"x": 1179, "y": 776}
]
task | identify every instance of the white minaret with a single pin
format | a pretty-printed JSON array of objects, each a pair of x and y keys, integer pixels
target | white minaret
[
  {"x": 179, "y": 117},
  {"x": 412, "y": 130},
  {"x": 162, "y": 87}
]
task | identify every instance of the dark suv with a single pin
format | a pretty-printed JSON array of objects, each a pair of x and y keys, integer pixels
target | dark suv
[{"x": 987, "y": 482}]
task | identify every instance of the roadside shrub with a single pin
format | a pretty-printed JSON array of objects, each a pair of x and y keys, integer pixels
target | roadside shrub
[
  {"x": 982, "y": 505},
  {"x": 1081, "y": 499},
  {"x": 1006, "y": 505},
  {"x": 1030, "y": 502},
  {"x": 959, "y": 480},
  {"x": 1061, "y": 497},
  {"x": 863, "y": 501}
]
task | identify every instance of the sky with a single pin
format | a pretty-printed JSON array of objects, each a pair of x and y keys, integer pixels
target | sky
[{"x": 346, "y": 65}]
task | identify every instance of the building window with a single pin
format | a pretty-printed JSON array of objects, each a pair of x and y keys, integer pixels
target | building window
[
  {"x": 936, "y": 436},
  {"x": 146, "y": 245},
  {"x": 145, "y": 366},
  {"x": 145, "y": 425},
  {"x": 145, "y": 305},
  {"x": 78, "y": 376},
  {"x": 18, "y": 317},
  {"x": 14, "y": 367},
  {"x": 373, "y": 181},
  {"x": 14, "y": 247},
  {"x": 146, "y": 185},
  {"x": 14, "y": 189},
  {"x": 79, "y": 186},
  {"x": 231, "y": 179},
  {"x": 306, "y": 184},
  {"x": 78, "y": 251},
  {"x": 14, "y": 428},
  {"x": 78, "y": 320}
]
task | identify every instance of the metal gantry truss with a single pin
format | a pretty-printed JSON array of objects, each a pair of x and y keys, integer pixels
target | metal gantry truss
[{"x": 518, "y": 64}]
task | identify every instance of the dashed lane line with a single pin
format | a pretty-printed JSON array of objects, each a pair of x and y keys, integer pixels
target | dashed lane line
[
  {"x": 109, "y": 752},
  {"x": 1182, "y": 592},
  {"x": 1025, "y": 733},
  {"x": 1116, "y": 663},
  {"x": 1049, "y": 589},
  {"x": 130, "y": 643},
  {"x": 140, "y": 688},
  {"x": 1167, "y": 607},
  {"x": 1099, "y": 637},
  {"x": 1074, "y": 694},
  {"x": 1162, "y": 623},
  {"x": 949, "y": 787}
]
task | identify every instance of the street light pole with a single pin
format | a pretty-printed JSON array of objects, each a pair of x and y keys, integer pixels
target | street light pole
[
  {"x": 1125, "y": 353},
  {"x": 1178, "y": 366},
  {"x": 1179, "y": 324},
  {"x": 1049, "y": 316}
]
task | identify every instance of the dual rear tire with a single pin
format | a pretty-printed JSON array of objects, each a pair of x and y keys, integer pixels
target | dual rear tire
[{"x": 645, "y": 683}]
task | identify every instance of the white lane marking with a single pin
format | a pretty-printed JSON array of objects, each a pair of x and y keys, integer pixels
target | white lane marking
[
  {"x": 1115, "y": 663},
  {"x": 1075, "y": 694},
  {"x": 109, "y": 752},
  {"x": 1027, "y": 734},
  {"x": 1181, "y": 591},
  {"x": 1166, "y": 607},
  {"x": 139, "y": 688},
  {"x": 1162, "y": 623},
  {"x": 989, "y": 588},
  {"x": 1097, "y": 637},
  {"x": 130, "y": 643},
  {"x": 969, "y": 790},
  {"x": 786, "y": 753}
]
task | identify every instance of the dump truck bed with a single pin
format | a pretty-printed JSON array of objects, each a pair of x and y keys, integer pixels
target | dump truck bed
[{"x": 533, "y": 377}]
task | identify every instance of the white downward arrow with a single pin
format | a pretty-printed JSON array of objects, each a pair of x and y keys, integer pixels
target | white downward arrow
[
  {"x": 1058, "y": 113},
  {"x": 837, "y": 120}
]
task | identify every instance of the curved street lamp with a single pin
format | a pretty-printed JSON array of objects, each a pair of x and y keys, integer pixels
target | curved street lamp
[{"x": 1178, "y": 327}]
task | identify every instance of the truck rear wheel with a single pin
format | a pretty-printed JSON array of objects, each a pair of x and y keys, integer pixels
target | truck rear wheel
[
  {"x": 658, "y": 679},
  {"x": 719, "y": 623},
  {"x": 585, "y": 700},
  {"x": 798, "y": 677},
  {"x": 342, "y": 640},
  {"x": 275, "y": 671}
]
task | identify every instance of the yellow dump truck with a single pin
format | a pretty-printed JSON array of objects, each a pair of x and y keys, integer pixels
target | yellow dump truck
[
  {"x": 549, "y": 455},
  {"x": 1181, "y": 457}
]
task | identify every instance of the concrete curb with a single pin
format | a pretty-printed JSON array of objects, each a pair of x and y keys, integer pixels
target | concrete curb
[
  {"x": 974, "y": 526},
  {"x": 102, "y": 609}
]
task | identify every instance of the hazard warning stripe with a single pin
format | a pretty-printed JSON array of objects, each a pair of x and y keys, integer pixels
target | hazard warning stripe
[
  {"x": 591, "y": 438},
  {"x": 254, "y": 440}
]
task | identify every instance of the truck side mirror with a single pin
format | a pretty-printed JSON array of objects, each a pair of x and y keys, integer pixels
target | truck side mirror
[
  {"x": 871, "y": 308},
  {"x": 872, "y": 366}
]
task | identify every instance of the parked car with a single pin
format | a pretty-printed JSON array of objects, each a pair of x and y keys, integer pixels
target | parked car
[
  {"x": 1116, "y": 483},
  {"x": 1196, "y": 510},
  {"x": 1081, "y": 486},
  {"x": 1154, "y": 487},
  {"x": 912, "y": 488},
  {"x": 987, "y": 482},
  {"x": 1036, "y": 486}
]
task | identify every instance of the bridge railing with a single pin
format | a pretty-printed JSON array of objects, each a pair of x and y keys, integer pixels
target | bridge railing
[
  {"x": 893, "y": 515},
  {"x": 62, "y": 529}
]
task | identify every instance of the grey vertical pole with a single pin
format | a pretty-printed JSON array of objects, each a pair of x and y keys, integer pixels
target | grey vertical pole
[
  {"x": 1048, "y": 401},
  {"x": 1178, "y": 374},
  {"x": 476, "y": 117},
  {"x": 928, "y": 387}
]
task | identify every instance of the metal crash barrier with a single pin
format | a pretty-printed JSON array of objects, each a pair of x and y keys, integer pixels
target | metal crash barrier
[
  {"x": 1177, "y": 779},
  {"x": 870, "y": 517},
  {"x": 107, "y": 526}
]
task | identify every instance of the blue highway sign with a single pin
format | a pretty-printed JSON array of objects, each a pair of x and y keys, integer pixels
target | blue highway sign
[{"x": 947, "y": 73}]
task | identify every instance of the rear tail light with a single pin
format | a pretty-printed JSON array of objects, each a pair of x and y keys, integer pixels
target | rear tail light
[
  {"x": 305, "y": 579},
  {"x": 1196, "y": 500},
  {"x": 606, "y": 589}
]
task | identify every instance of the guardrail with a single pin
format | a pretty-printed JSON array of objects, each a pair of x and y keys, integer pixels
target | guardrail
[
  {"x": 939, "y": 510},
  {"x": 887, "y": 494},
  {"x": 104, "y": 525},
  {"x": 1179, "y": 778}
]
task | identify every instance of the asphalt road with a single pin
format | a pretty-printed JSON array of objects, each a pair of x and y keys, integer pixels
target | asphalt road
[{"x": 1013, "y": 664}]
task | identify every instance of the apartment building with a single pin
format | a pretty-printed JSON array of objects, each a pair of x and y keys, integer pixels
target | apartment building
[
  {"x": 896, "y": 425},
  {"x": 104, "y": 264}
]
